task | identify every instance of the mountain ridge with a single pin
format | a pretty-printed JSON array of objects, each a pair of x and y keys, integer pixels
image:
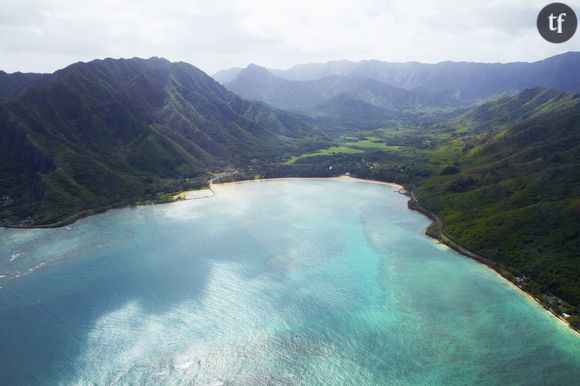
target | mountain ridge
[
  {"x": 122, "y": 130},
  {"x": 462, "y": 80}
]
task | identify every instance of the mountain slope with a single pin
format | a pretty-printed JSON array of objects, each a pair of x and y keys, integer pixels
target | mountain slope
[
  {"x": 514, "y": 195},
  {"x": 112, "y": 131}
]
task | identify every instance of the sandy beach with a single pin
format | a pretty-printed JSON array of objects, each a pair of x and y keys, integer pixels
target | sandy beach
[{"x": 341, "y": 178}]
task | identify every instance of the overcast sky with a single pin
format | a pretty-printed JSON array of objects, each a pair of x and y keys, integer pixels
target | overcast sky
[{"x": 43, "y": 35}]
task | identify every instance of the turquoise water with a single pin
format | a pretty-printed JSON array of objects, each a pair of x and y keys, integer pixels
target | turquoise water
[{"x": 279, "y": 282}]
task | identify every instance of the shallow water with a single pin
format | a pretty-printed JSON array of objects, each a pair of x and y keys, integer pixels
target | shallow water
[{"x": 278, "y": 282}]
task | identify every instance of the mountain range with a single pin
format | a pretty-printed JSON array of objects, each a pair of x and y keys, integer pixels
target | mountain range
[{"x": 370, "y": 94}]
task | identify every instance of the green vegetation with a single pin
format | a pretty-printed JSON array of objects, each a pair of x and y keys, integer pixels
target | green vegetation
[
  {"x": 328, "y": 151},
  {"x": 350, "y": 145},
  {"x": 118, "y": 132},
  {"x": 514, "y": 195},
  {"x": 374, "y": 143},
  {"x": 160, "y": 198}
]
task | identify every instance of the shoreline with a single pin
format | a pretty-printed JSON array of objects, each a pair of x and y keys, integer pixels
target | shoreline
[
  {"x": 70, "y": 219},
  {"x": 438, "y": 235},
  {"x": 340, "y": 178},
  {"x": 179, "y": 196}
]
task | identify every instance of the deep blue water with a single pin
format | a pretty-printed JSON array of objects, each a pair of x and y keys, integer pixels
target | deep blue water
[{"x": 279, "y": 282}]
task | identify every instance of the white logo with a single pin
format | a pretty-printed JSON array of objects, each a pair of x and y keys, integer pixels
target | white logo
[
  {"x": 559, "y": 19},
  {"x": 557, "y": 23}
]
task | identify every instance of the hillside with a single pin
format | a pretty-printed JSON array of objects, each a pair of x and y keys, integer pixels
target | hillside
[
  {"x": 513, "y": 193},
  {"x": 119, "y": 131}
]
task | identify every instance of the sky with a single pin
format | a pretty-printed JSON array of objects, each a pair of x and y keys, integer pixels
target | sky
[{"x": 43, "y": 36}]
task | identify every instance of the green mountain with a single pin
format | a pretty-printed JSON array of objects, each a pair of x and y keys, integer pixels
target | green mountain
[
  {"x": 118, "y": 131},
  {"x": 512, "y": 192}
]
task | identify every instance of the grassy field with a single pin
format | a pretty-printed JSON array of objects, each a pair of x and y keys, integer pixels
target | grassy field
[
  {"x": 371, "y": 143},
  {"x": 349, "y": 146},
  {"x": 329, "y": 151}
]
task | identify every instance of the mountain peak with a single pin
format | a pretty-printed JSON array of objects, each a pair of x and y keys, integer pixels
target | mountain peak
[
  {"x": 254, "y": 73},
  {"x": 256, "y": 69}
]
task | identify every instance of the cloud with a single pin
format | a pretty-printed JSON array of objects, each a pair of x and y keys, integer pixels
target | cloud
[{"x": 43, "y": 35}]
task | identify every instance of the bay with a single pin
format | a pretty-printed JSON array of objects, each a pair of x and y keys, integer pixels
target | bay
[{"x": 267, "y": 282}]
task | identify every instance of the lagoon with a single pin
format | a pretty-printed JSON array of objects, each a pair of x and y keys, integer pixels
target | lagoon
[{"x": 267, "y": 282}]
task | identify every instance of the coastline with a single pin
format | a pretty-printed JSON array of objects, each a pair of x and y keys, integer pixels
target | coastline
[
  {"x": 340, "y": 178},
  {"x": 179, "y": 196},
  {"x": 438, "y": 235},
  {"x": 434, "y": 231},
  {"x": 70, "y": 219}
]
